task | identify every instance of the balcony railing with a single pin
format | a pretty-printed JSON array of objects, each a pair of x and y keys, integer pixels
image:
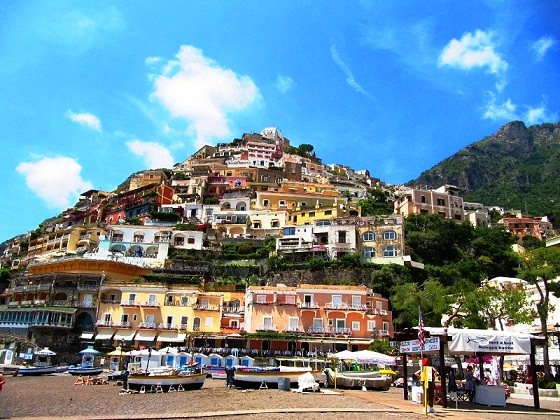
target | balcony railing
[
  {"x": 233, "y": 309},
  {"x": 39, "y": 302},
  {"x": 150, "y": 305},
  {"x": 308, "y": 305},
  {"x": 86, "y": 304},
  {"x": 87, "y": 288},
  {"x": 104, "y": 324},
  {"x": 147, "y": 326},
  {"x": 111, "y": 301},
  {"x": 266, "y": 328},
  {"x": 294, "y": 330},
  {"x": 122, "y": 324},
  {"x": 130, "y": 303},
  {"x": 204, "y": 307},
  {"x": 345, "y": 307},
  {"x": 164, "y": 326},
  {"x": 51, "y": 324}
]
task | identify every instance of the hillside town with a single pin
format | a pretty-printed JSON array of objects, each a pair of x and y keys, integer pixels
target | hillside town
[{"x": 180, "y": 256}]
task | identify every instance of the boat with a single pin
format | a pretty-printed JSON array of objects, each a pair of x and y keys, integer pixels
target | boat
[
  {"x": 290, "y": 369},
  {"x": 165, "y": 379},
  {"x": 86, "y": 368},
  {"x": 42, "y": 365},
  {"x": 359, "y": 380}
]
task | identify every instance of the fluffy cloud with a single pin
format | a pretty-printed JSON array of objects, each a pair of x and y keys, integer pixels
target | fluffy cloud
[
  {"x": 154, "y": 154},
  {"x": 507, "y": 111},
  {"x": 197, "y": 89},
  {"x": 284, "y": 83},
  {"x": 503, "y": 111},
  {"x": 84, "y": 118},
  {"x": 541, "y": 46},
  {"x": 349, "y": 76},
  {"x": 478, "y": 50},
  {"x": 57, "y": 180}
]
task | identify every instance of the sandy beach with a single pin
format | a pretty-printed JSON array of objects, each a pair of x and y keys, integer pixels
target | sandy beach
[{"x": 56, "y": 396}]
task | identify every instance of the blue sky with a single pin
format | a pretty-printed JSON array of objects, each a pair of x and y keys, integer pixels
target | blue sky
[{"x": 91, "y": 92}]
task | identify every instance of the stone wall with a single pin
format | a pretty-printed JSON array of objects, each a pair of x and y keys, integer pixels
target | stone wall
[{"x": 327, "y": 276}]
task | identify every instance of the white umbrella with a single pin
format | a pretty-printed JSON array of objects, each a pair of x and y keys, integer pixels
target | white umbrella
[
  {"x": 343, "y": 355},
  {"x": 45, "y": 352},
  {"x": 369, "y": 356}
]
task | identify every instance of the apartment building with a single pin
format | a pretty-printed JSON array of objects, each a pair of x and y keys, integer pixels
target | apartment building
[
  {"x": 538, "y": 227},
  {"x": 443, "y": 201}
]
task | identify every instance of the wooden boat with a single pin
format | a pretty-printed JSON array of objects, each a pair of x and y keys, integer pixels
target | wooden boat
[
  {"x": 42, "y": 366},
  {"x": 164, "y": 379},
  {"x": 359, "y": 380},
  {"x": 86, "y": 368}
]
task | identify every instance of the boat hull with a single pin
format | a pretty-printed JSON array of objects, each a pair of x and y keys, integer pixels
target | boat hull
[
  {"x": 355, "y": 381},
  {"x": 255, "y": 379},
  {"x": 36, "y": 371},
  {"x": 151, "y": 383},
  {"x": 85, "y": 371}
]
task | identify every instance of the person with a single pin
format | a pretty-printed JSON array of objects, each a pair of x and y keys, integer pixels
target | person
[
  {"x": 469, "y": 383},
  {"x": 415, "y": 379},
  {"x": 2, "y": 380},
  {"x": 428, "y": 363}
]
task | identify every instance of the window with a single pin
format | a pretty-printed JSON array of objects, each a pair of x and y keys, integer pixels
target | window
[
  {"x": 196, "y": 324},
  {"x": 308, "y": 298},
  {"x": 152, "y": 300},
  {"x": 290, "y": 299},
  {"x": 303, "y": 204},
  {"x": 107, "y": 318},
  {"x": 390, "y": 235},
  {"x": 267, "y": 322},
  {"x": 355, "y": 326},
  {"x": 337, "y": 300},
  {"x": 150, "y": 319},
  {"x": 293, "y": 323},
  {"x": 281, "y": 203},
  {"x": 169, "y": 299},
  {"x": 368, "y": 252},
  {"x": 368, "y": 236},
  {"x": 340, "y": 323},
  {"x": 266, "y": 203},
  {"x": 371, "y": 325},
  {"x": 390, "y": 251},
  {"x": 234, "y": 323},
  {"x": 423, "y": 199},
  {"x": 356, "y": 300},
  {"x": 208, "y": 322},
  {"x": 331, "y": 322},
  {"x": 184, "y": 322},
  {"x": 184, "y": 300},
  {"x": 135, "y": 317},
  {"x": 190, "y": 241},
  {"x": 169, "y": 320},
  {"x": 440, "y": 202},
  {"x": 385, "y": 325},
  {"x": 275, "y": 224},
  {"x": 289, "y": 231},
  {"x": 341, "y": 237},
  {"x": 328, "y": 212},
  {"x": 379, "y": 305},
  {"x": 132, "y": 297},
  {"x": 311, "y": 214},
  {"x": 261, "y": 298},
  {"x": 317, "y": 323}
]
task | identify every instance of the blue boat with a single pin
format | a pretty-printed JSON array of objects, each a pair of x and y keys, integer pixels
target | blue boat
[{"x": 87, "y": 366}]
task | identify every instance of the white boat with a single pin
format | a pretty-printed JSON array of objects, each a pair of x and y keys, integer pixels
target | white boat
[
  {"x": 270, "y": 377},
  {"x": 87, "y": 366},
  {"x": 42, "y": 366},
  {"x": 359, "y": 380},
  {"x": 165, "y": 379}
]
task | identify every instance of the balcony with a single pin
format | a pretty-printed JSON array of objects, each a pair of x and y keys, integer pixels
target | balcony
[
  {"x": 104, "y": 324},
  {"x": 13, "y": 304},
  {"x": 39, "y": 323},
  {"x": 39, "y": 302},
  {"x": 87, "y": 288},
  {"x": 167, "y": 327},
  {"x": 86, "y": 304},
  {"x": 204, "y": 307},
  {"x": 294, "y": 330},
  {"x": 130, "y": 303},
  {"x": 345, "y": 307},
  {"x": 319, "y": 331},
  {"x": 266, "y": 328},
  {"x": 111, "y": 301},
  {"x": 44, "y": 287},
  {"x": 147, "y": 326},
  {"x": 233, "y": 309},
  {"x": 66, "y": 303},
  {"x": 150, "y": 305},
  {"x": 26, "y": 303},
  {"x": 266, "y": 302},
  {"x": 122, "y": 324},
  {"x": 308, "y": 305},
  {"x": 342, "y": 331}
]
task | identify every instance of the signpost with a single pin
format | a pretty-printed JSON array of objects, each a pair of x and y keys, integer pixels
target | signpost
[{"x": 413, "y": 346}]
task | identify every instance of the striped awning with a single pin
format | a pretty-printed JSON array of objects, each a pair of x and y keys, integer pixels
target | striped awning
[
  {"x": 126, "y": 335},
  {"x": 87, "y": 335},
  {"x": 105, "y": 334},
  {"x": 145, "y": 335}
]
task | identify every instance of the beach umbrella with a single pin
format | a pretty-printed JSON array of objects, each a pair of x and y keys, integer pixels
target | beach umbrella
[
  {"x": 343, "y": 355},
  {"x": 117, "y": 352},
  {"x": 45, "y": 352},
  {"x": 89, "y": 350},
  {"x": 369, "y": 356}
]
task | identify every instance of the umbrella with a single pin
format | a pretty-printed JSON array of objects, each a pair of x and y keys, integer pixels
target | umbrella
[
  {"x": 369, "y": 356},
  {"x": 117, "y": 352},
  {"x": 343, "y": 355},
  {"x": 89, "y": 350},
  {"x": 45, "y": 352}
]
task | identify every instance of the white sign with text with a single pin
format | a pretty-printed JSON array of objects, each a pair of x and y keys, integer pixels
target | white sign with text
[{"x": 413, "y": 346}]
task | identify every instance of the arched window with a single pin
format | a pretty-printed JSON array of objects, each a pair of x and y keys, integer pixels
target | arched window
[
  {"x": 390, "y": 251},
  {"x": 390, "y": 235},
  {"x": 368, "y": 236},
  {"x": 368, "y": 252}
]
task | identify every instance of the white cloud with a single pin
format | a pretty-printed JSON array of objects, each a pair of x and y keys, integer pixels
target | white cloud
[
  {"x": 154, "y": 154},
  {"x": 198, "y": 90},
  {"x": 84, "y": 118},
  {"x": 284, "y": 83},
  {"x": 349, "y": 76},
  {"x": 57, "y": 180},
  {"x": 478, "y": 50},
  {"x": 503, "y": 111},
  {"x": 541, "y": 46}
]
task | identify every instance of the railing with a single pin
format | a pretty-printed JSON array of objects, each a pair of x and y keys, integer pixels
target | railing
[
  {"x": 233, "y": 309},
  {"x": 122, "y": 324},
  {"x": 342, "y": 331},
  {"x": 319, "y": 330},
  {"x": 86, "y": 304},
  {"x": 39, "y": 302},
  {"x": 44, "y": 287},
  {"x": 266, "y": 328},
  {"x": 203, "y": 307},
  {"x": 104, "y": 324},
  {"x": 52, "y": 324},
  {"x": 147, "y": 326},
  {"x": 294, "y": 330},
  {"x": 266, "y": 302},
  {"x": 111, "y": 301},
  {"x": 150, "y": 304},
  {"x": 88, "y": 288},
  {"x": 26, "y": 303},
  {"x": 308, "y": 305},
  {"x": 130, "y": 303},
  {"x": 164, "y": 326}
]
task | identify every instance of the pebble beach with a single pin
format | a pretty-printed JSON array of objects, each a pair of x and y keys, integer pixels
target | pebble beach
[{"x": 56, "y": 396}]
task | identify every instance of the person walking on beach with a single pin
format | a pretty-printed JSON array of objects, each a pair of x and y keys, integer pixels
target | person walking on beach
[{"x": 469, "y": 383}]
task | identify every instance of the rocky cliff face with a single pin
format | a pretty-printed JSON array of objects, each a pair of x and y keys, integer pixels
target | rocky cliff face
[{"x": 516, "y": 167}]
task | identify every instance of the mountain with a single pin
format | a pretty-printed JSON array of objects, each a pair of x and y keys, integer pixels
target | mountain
[{"x": 517, "y": 167}]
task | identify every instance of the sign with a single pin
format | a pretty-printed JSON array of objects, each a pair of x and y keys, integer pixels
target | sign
[
  {"x": 413, "y": 346},
  {"x": 491, "y": 342}
]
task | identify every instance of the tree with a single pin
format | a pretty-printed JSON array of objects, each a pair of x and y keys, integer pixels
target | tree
[
  {"x": 540, "y": 268},
  {"x": 380, "y": 345}
]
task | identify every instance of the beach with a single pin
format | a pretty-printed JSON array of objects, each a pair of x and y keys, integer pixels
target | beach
[{"x": 56, "y": 396}]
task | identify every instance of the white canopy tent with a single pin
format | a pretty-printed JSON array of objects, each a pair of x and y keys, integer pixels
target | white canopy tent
[{"x": 365, "y": 356}]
